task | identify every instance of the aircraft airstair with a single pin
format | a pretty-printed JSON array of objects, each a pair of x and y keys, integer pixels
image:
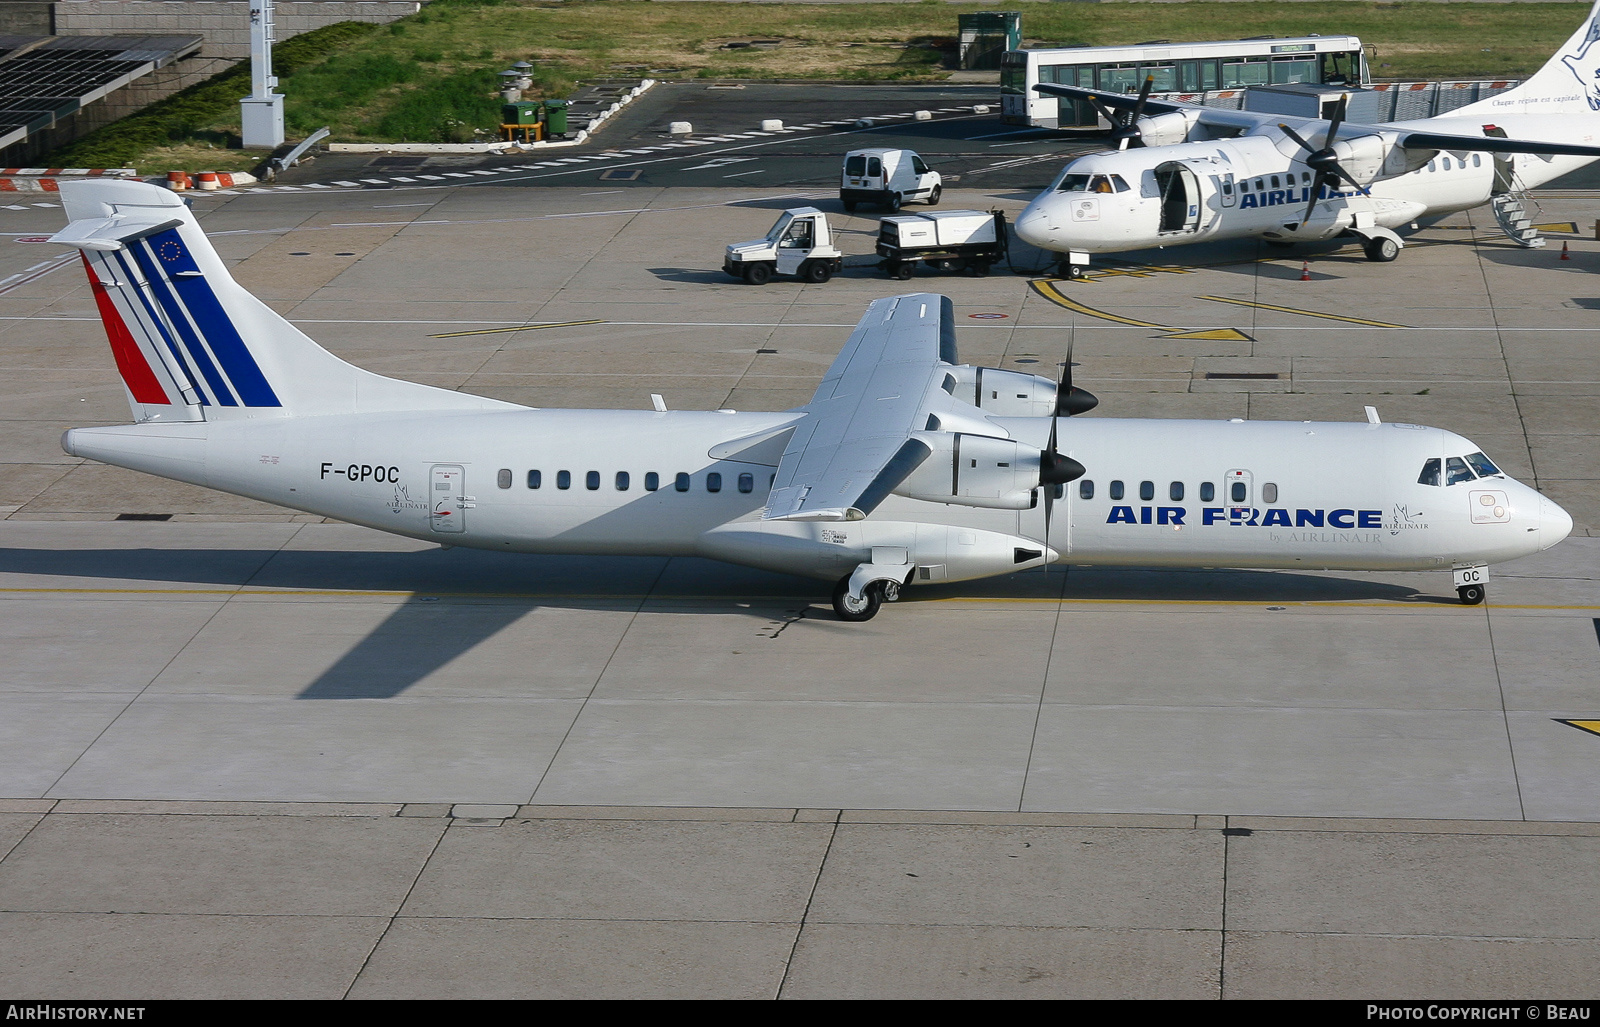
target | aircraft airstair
[{"x": 1511, "y": 212}]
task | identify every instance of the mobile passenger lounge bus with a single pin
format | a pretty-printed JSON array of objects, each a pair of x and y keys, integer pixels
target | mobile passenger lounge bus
[{"x": 1176, "y": 68}]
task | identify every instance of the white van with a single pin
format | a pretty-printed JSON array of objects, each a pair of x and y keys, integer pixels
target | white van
[{"x": 888, "y": 178}]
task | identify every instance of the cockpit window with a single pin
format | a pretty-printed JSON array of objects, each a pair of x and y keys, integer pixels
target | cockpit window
[
  {"x": 1457, "y": 471},
  {"x": 1430, "y": 473},
  {"x": 1092, "y": 184},
  {"x": 1480, "y": 463}
]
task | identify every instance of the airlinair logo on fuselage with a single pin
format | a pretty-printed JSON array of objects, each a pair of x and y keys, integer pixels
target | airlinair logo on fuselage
[
  {"x": 1584, "y": 67},
  {"x": 1277, "y": 197}
]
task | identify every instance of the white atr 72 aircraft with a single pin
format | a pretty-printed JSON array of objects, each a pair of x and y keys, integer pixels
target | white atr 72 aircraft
[
  {"x": 905, "y": 468},
  {"x": 1197, "y": 173}
]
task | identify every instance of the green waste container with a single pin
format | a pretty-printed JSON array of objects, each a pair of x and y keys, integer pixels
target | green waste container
[
  {"x": 525, "y": 112},
  {"x": 555, "y": 116}
]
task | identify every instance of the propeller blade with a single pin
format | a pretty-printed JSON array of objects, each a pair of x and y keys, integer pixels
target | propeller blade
[
  {"x": 1106, "y": 112},
  {"x": 1342, "y": 173},
  {"x": 1292, "y": 134},
  {"x": 1069, "y": 398},
  {"x": 1144, "y": 94},
  {"x": 1049, "y": 490},
  {"x": 1334, "y": 123},
  {"x": 1316, "y": 194}
]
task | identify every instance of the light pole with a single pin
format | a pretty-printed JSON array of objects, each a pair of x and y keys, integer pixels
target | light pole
[{"x": 261, "y": 113}]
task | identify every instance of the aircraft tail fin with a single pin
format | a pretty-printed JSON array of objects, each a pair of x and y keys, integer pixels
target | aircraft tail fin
[
  {"x": 192, "y": 344},
  {"x": 1569, "y": 82}
]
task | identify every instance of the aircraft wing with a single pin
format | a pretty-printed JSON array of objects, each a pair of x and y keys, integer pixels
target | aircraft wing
[
  {"x": 856, "y": 442},
  {"x": 1214, "y": 116},
  {"x": 1491, "y": 144}
]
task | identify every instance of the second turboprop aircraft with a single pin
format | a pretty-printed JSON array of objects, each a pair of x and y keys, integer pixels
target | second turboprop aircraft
[{"x": 1185, "y": 174}]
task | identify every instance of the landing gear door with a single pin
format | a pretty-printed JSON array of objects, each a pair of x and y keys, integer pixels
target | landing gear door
[{"x": 447, "y": 492}]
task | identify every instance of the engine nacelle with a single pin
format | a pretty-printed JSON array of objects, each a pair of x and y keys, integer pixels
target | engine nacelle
[
  {"x": 1362, "y": 156},
  {"x": 974, "y": 470},
  {"x": 1167, "y": 129},
  {"x": 1002, "y": 393}
]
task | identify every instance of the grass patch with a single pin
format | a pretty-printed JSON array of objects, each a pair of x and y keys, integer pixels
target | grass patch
[{"x": 432, "y": 76}]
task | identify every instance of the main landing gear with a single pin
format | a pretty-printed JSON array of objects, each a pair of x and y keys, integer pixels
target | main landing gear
[
  {"x": 872, "y": 596},
  {"x": 1471, "y": 584}
]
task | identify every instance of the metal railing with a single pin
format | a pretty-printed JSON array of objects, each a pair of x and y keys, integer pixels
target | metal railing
[{"x": 1394, "y": 101}]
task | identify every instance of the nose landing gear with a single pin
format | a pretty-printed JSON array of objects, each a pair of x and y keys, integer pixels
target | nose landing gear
[{"x": 1471, "y": 584}]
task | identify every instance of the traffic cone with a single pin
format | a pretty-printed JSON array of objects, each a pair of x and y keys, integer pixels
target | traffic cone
[
  {"x": 1305, "y": 271},
  {"x": 1564, "y": 250}
]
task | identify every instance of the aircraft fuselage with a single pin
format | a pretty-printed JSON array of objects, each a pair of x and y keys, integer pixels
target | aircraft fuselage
[{"x": 1329, "y": 495}]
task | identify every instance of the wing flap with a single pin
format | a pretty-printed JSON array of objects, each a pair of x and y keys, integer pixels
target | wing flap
[{"x": 855, "y": 444}]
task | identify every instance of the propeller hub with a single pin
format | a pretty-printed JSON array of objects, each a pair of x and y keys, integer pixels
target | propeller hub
[
  {"x": 1073, "y": 400},
  {"x": 1055, "y": 469}
]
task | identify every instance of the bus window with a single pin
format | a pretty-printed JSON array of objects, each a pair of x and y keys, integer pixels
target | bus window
[
  {"x": 1014, "y": 73},
  {"x": 1286, "y": 71},
  {"x": 1244, "y": 73},
  {"x": 1165, "y": 76},
  {"x": 1119, "y": 78},
  {"x": 1189, "y": 76},
  {"x": 1208, "y": 75}
]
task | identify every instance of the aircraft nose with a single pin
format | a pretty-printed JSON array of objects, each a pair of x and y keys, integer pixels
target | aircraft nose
[
  {"x": 1033, "y": 227},
  {"x": 1555, "y": 523}
]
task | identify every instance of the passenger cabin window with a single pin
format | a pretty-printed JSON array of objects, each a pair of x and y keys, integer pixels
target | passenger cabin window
[
  {"x": 1175, "y": 491},
  {"x": 1476, "y": 162},
  {"x": 1147, "y": 490},
  {"x": 1240, "y": 492},
  {"x": 563, "y": 479},
  {"x": 535, "y": 479},
  {"x": 1116, "y": 490},
  {"x": 1208, "y": 491},
  {"x": 747, "y": 482},
  {"x": 1086, "y": 489},
  {"x": 1457, "y": 471},
  {"x": 652, "y": 481},
  {"x": 622, "y": 481},
  {"x": 681, "y": 482},
  {"x": 503, "y": 478},
  {"x": 592, "y": 480},
  {"x": 1430, "y": 472},
  {"x": 713, "y": 482},
  {"x": 1269, "y": 492},
  {"x": 1274, "y": 181},
  {"x": 1480, "y": 463}
]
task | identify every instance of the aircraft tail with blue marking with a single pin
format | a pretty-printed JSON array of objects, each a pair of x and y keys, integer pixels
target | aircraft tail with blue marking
[{"x": 190, "y": 343}]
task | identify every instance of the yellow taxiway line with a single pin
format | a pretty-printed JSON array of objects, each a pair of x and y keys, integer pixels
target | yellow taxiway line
[
  {"x": 517, "y": 328},
  {"x": 1303, "y": 313}
]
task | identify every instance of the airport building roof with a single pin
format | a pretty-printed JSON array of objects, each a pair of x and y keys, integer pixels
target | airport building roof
[{"x": 45, "y": 79}]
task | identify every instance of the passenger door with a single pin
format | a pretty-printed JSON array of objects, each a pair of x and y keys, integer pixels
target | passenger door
[{"x": 447, "y": 492}]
